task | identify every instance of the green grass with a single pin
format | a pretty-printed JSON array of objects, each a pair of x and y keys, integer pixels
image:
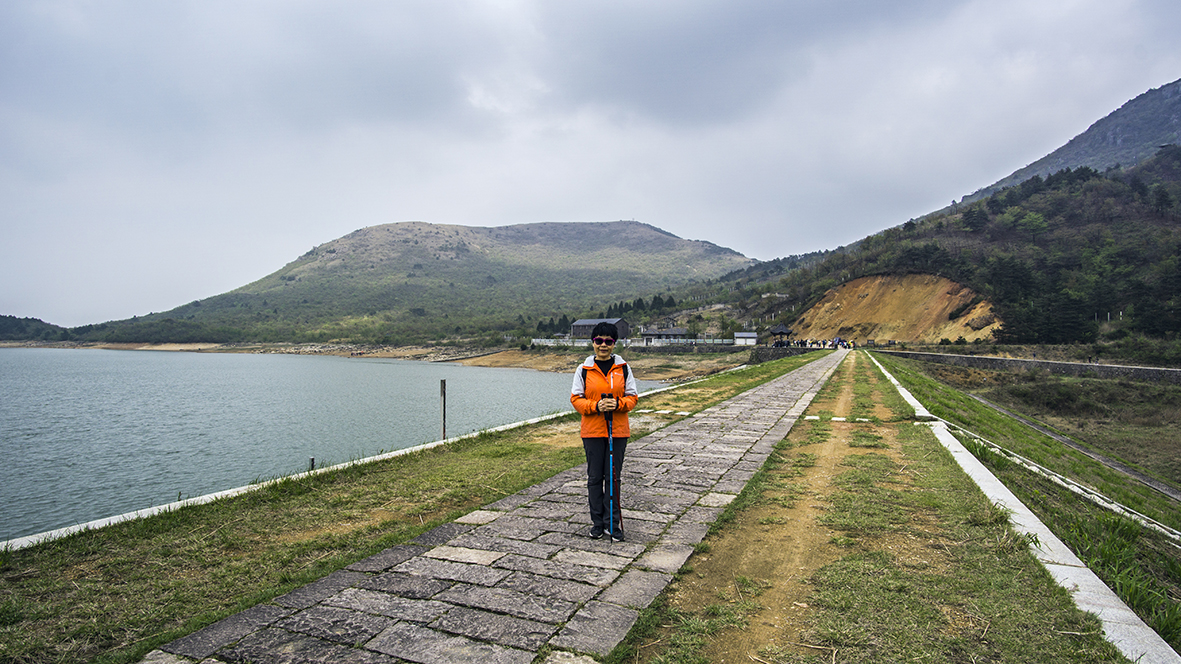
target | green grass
[
  {"x": 968, "y": 590},
  {"x": 957, "y": 407}
]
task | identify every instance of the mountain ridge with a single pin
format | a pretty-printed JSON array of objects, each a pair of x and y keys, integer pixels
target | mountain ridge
[
  {"x": 416, "y": 281},
  {"x": 1123, "y": 138}
]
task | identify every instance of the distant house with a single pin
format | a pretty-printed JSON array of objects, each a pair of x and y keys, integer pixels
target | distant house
[
  {"x": 581, "y": 329},
  {"x": 676, "y": 334},
  {"x": 746, "y": 338}
]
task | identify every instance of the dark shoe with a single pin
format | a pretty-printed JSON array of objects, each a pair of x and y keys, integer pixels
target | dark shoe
[
  {"x": 596, "y": 532},
  {"x": 617, "y": 536}
]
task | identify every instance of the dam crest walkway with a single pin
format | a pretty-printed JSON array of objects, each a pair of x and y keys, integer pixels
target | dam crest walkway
[{"x": 520, "y": 575}]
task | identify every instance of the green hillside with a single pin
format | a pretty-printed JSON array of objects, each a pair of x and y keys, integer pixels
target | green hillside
[
  {"x": 1076, "y": 257},
  {"x": 414, "y": 281},
  {"x": 27, "y": 329}
]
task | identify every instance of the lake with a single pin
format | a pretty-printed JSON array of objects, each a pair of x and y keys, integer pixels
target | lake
[{"x": 88, "y": 434}]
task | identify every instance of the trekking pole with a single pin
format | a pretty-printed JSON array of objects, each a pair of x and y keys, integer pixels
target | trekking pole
[{"x": 610, "y": 473}]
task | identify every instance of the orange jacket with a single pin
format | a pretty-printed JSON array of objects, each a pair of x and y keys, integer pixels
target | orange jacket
[{"x": 590, "y": 384}]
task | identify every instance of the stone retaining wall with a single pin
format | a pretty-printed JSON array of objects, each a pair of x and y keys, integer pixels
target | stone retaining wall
[
  {"x": 685, "y": 349},
  {"x": 767, "y": 353},
  {"x": 1147, "y": 374}
]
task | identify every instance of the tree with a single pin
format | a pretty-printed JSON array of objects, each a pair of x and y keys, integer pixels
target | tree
[
  {"x": 1162, "y": 202},
  {"x": 975, "y": 218},
  {"x": 1034, "y": 224}
]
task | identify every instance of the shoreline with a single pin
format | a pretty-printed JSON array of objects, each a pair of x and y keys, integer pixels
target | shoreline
[
  {"x": 663, "y": 368},
  {"x": 430, "y": 353}
]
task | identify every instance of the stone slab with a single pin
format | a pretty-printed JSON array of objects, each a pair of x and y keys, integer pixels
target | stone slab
[
  {"x": 686, "y": 532},
  {"x": 479, "y": 517},
  {"x": 636, "y": 588},
  {"x": 508, "y": 545},
  {"x": 563, "y": 657},
  {"x": 278, "y": 646},
  {"x": 568, "y": 541},
  {"x": 386, "y": 559},
  {"x": 208, "y": 640},
  {"x": 303, "y": 597},
  {"x": 442, "y": 534},
  {"x": 558, "y": 570},
  {"x": 344, "y": 626},
  {"x": 427, "y": 646},
  {"x": 666, "y": 558},
  {"x": 597, "y": 628},
  {"x": 385, "y": 604},
  {"x": 546, "y": 586},
  {"x": 717, "y": 499},
  {"x": 512, "y": 602},
  {"x": 592, "y": 559},
  {"x": 459, "y": 554},
  {"x": 406, "y": 585},
  {"x": 702, "y": 514},
  {"x": 494, "y": 627},
  {"x": 445, "y": 569}
]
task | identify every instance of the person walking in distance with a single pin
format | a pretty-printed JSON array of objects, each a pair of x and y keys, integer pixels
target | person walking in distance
[{"x": 603, "y": 388}]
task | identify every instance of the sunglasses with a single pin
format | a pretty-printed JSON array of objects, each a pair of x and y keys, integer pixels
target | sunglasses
[{"x": 603, "y": 341}]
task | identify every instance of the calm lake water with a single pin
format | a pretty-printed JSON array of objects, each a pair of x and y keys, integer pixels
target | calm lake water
[{"x": 88, "y": 434}]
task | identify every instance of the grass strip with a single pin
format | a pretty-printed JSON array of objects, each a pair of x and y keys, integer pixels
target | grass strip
[
  {"x": 958, "y": 408},
  {"x": 1139, "y": 564},
  {"x": 113, "y": 594}
]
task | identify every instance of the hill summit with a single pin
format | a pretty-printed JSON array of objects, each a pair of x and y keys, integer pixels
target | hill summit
[{"x": 414, "y": 281}]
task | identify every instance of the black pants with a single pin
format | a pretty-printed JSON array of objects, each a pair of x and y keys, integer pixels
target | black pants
[{"x": 596, "y": 485}]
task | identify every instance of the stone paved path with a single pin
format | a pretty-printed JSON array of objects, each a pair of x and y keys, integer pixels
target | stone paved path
[{"x": 498, "y": 584}]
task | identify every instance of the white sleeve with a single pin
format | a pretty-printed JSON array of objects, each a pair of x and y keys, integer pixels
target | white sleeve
[{"x": 579, "y": 386}]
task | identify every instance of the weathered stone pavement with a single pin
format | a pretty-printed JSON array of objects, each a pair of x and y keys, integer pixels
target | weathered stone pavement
[{"x": 500, "y": 583}]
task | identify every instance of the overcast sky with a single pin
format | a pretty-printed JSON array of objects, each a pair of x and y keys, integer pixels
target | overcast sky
[{"x": 153, "y": 153}]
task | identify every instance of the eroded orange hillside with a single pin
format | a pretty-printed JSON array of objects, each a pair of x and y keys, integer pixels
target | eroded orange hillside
[{"x": 912, "y": 308}]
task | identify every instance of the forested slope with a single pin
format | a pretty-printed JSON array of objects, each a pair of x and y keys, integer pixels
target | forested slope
[{"x": 1057, "y": 256}]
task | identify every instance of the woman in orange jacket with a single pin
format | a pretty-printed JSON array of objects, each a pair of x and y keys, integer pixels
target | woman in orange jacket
[{"x": 604, "y": 387}]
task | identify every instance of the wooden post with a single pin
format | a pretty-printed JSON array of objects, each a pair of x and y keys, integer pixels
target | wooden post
[{"x": 443, "y": 397}]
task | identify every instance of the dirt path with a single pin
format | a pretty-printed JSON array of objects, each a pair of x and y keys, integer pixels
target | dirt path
[{"x": 773, "y": 548}]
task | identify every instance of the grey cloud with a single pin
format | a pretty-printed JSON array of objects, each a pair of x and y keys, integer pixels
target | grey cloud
[{"x": 698, "y": 62}]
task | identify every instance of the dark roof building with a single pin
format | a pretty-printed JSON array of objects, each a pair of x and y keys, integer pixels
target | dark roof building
[
  {"x": 581, "y": 329},
  {"x": 666, "y": 333}
]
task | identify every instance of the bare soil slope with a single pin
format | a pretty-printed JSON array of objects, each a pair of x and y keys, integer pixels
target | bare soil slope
[{"x": 913, "y": 308}]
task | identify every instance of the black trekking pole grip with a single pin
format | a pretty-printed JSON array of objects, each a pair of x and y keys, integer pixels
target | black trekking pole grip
[{"x": 607, "y": 414}]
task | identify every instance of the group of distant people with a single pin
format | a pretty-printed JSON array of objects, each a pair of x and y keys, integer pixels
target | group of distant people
[{"x": 814, "y": 343}]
